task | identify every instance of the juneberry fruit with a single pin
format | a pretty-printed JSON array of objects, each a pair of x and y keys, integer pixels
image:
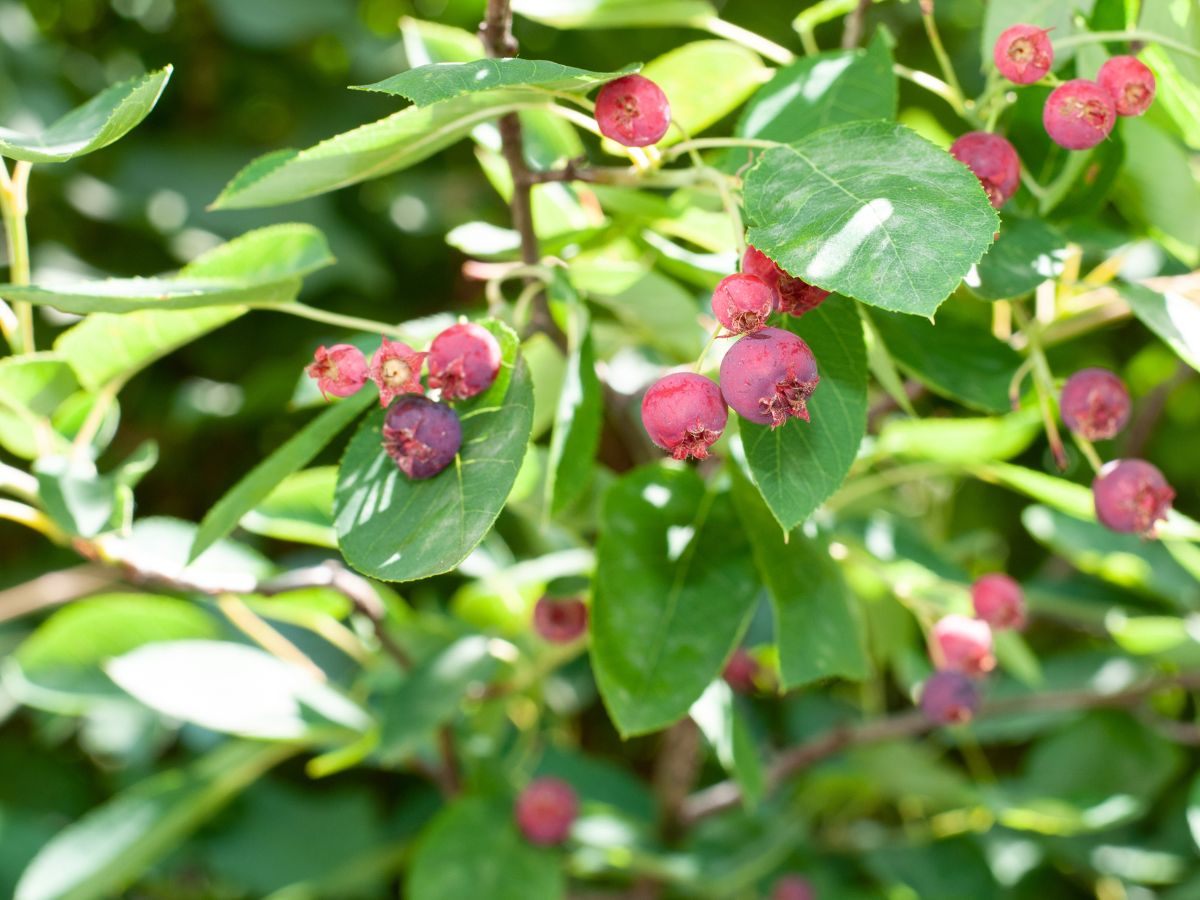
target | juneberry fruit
[
  {"x": 767, "y": 377},
  {"x": 741, "y": 671},
  {"x": 685, "y": 414},
  {"x": 546, "y": 810},
  {"x": 793, "y": 887},
  {"x": 633, "y": 111},
  {"x": 1131, "y": 495},
  {"x": 421, "y": 436},
  {"x": 560, "y": 621},
  {"x": 463, "y": 361},
  {"x": 963, "y": 645},
  {"x": 742, "y": 303},
  {"x": 1079, "y": 114},
  {"x": 994, "y": 162},
  {"x": 793, "y": 295},
  {"x": 999, "y": 601},
  {"x": 1129, "y": 82},
  {"x": 1095, "y": 404},
  {"x": 949, "y": 698},
  {"x": 1023, "y": 53},
  {"x": 340, "y": 370},
  {"x": 396, "y": 368}
]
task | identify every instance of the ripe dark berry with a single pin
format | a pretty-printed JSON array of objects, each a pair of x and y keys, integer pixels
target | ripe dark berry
[
  {"x": 1131, "y": 495},
  {"x": 421, "y": 436},
  {"x": 560, "y": 621},
  {"x": 1095, "y": 404},
  {"x": 963, "y": 645},
  {"x": 994, "y": 162},
  {"x": 1130, "y": 84},
  {"x": 793, "y": 295},
  {"x": 340, "y": 370},
  {"x": 767, "y": 377},
  {"x": 949, "y": 698},
  {"x": 1023, "y": 53},
  {"x": 396, "y": 368},
  {"x": 741, "y": 671},
  {"x": 684, "y": 413},
  {"x": 742, "y": 303},
  {"x": 546, "y": 810},
  {"x": 1079, "y": 114},
  {"x": 999, "y": 601},
  {"x": 633, "y": 111},
  {"x": 793, "y": 887},
  {"x": 463, "y": 361}
]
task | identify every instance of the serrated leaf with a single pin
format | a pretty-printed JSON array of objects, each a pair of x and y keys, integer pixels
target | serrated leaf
[
  {"x": 299, "y": 508},
  {"x": 872, "y": 211},
  {"x": 1173, "y": 317},
  {"x": 441, "y": 81},
  {"x": 614, "y": 13},
  {"x": 1027, "y": 252}
]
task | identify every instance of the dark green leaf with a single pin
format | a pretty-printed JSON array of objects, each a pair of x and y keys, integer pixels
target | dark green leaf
[
  {"x": 441, "y": 81},
  {"x": 1173, "y": 317},
  {"x": 1027, "y": 252}
]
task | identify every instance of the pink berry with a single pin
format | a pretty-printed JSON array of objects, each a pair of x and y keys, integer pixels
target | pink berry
[
  {"x": 633, "y": 111},
  {"x": 742, "y": 303},
  {"x": 949, "y": 698},
  {"x": 793, "y": 295},
  {"x": 999, "y": 601},
  {"x": 767, "y": 377},
  {"x": 1129, "y": 82},
  {"x": 1079, "y": 114},
  {"x": 560, "y": 621},
  {"x": 994, "y": 162},
  {"x": 421, "y": 436},
  {"x": 396, "y": 368},
  {"x": 340, "y": 370},
  {"x": 463, "y": 361},
  {"x": 546, "y": 810},
  {"x": 963, "y": 645},
  {"x": 685, "y": 414},
  {"x": 793, "y": 887},
  {"x": 1095, "y": 404},
  {"x": 1131, "y": 495},
  {"x": 741, "y": 672},
  {"x": 1023, "y": 53}
]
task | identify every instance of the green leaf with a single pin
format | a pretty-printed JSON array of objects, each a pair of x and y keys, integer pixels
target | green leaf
[
  {"x": 395, "y": 529},
  {"x": 441, "y": 81},
  {"x": 120, "y": 295},
  {"x": 718, "y": 718},
  {"x": 32, "y": 387},
  {"x": 299, "y": 509},
  {"x": 1171, "y": 316},
  {"x": 1027, "y": 252},
  {"x": 872, "y": 211},
  {"x": 674, "y": 591},
  {"x": 799, "y": 465},
  {"x": 105, "y": 118},
  {"x": 75, "y": 495},
  {"x": 1067, "y": 496},
  {"x": 957, "y": 441},
  {"x": 1157, "y": 189},
  {"x": 615, "y": 13}
]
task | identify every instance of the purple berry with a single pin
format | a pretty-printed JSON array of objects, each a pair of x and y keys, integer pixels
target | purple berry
[
  {"x": 421, "y": 436},
  {"x": 793, "y": 295},
  {"x": 463, "y": 361},
  {"x": 1023, "y": 53},
  {"x": 1095, "y": 404},
  {"x": 633, "y": 111},
  {"x": 963, "y": 645},
  {"x": 560, "y": 621},
  {"x": 741, "y": 672},
  {"x": 999, "y": 601},
  {"x": 1131, "y": 495},
  {"x": 1130, "y": 84},
  {"x": 396, "y": 368},
  {"x": 340, "y": 370},
  {"x": 742, "y": 303},
  {"x": 994, "y": 162},
  {"x": 1079, "y": 114},
  {"x": 767, "y": 377},
  {"x": 793, "y": 887},
  {"x": 949, "y": 698},
  {"x": 685, "y": 414},
  {"x": 546, "y": 810}
]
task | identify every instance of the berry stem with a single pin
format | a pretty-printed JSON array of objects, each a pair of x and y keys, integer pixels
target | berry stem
[
  {"x": 690, "y": 146},
  {"x": 1043, "y": 381},
  {"x": 938, "y": 88},
  {"x": 703, "y": 353},
  {"x": 1100, "y": 37},
  {"x": 354, "y": 323},
  {"x": 1089, "y": 452},
  {"x": 748, "y": 39},
  {"x": 943, "y": 58},
  {"x": 14, "y": 204}
]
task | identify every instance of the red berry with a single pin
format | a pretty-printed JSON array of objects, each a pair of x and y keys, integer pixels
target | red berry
[
  {"x": 1079, "y": 114},
  {"x": 1023, "y": 53},
  {"x": 340, "y": 370},
  {"x": 633, "y": 111},
  {"x": 949, "y": 698},
  {"x": 546, "y": 810},
  {"x": 793, "y": 295},
  {"x": 767, "y": 377},
  {"x": 994, "y": 162},
  {"x": 684, "y": 413},
  {"x": 963, "y": 645},
  {"x": 999, "y": 601},
  {"x": 421, "y": 436},
  {"x": 1095, "y": 404},
  {"x": 463, "y": 361},
  {"x": 560, "y": 621},
  {"x": 741, "y": 671},
  {"x": 396, "y": 368},
  {"x": 1131, "y": 495},
  {"x": 793, "y": 887},
  {"x": 743, "y": 302},
  {"x": 1130, "y": 84}
]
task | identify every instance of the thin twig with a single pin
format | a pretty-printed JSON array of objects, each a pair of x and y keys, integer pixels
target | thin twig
[
  {"x": 853, "y": 31},
  {"x": 675, "y": 772}
]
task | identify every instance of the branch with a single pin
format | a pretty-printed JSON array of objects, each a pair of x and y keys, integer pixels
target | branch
[{"x": 852, "y": 33}]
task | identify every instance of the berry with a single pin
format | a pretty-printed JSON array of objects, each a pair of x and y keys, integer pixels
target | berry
[
  {"x": 633, "y": 111},
  {"x": 793, "y": 295},
  {"x": 767, "y": 377},
  {"x": 743, "y": 302},
  {"x": 994, "y": 162},
  {"x": 1131, "y": 495},
  {"x": 1023, "y": 53},
  {"x": 463, "y": 361},
  {"x": 1130, "y": 84},
  {"x": 545, "y": 811},
  {"x": 793, "y": 887},
  {"x": 396, "y": 368},
  {"x": 949, "y": 698},
  {"x": 999, "y": 601},
  {"x": 421, "y": 436},
  {"x": 1079, "y": 114},
  {"x": 340, "y": 370},
  {"x": 684, "y": 413},
  {"x": 1095, "y": 404},
  {"x": 741, "y": 671},
  {"x": 560, "y": 621},
  {"x": 963, "y": 645}
]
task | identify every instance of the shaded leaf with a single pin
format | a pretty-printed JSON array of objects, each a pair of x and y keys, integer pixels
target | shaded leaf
[
  {"x": 441, "y": 81},
  {"x": 1027, "y": 252},
  {"x": 614, "y": 13}
]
